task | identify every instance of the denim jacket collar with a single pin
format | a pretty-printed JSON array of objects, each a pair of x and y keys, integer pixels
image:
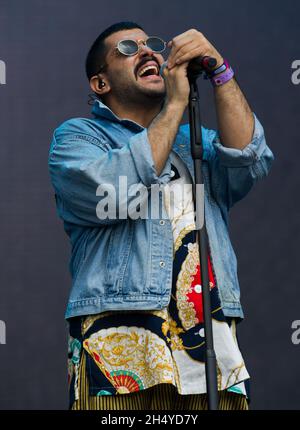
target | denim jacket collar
[
  {"x": 183, "y": 150},
  {"x": 101, "y": 110}
]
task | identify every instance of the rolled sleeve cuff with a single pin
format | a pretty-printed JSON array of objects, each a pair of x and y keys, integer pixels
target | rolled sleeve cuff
[
  {"x": 231, "y": 157},
  {"x": 141, "y": 152}
]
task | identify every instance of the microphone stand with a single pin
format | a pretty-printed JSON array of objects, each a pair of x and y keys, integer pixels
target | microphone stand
[{"x": 201, "y": 232}]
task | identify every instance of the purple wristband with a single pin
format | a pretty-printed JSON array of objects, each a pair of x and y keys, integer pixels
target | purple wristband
[{"x": 222, "y": 78}]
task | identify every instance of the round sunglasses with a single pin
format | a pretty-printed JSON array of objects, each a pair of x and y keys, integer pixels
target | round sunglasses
[{"x": 131, "y": 47}]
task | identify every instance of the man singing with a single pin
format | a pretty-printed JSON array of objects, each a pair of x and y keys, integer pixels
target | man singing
[{"x": 135, "y": 317}]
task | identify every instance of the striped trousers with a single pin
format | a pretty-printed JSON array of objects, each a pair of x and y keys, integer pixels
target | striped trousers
[{"x": 158, "y": 397}]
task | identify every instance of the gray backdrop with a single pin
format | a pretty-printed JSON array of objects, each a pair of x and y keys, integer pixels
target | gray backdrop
[{"x": 44, "y": 44}]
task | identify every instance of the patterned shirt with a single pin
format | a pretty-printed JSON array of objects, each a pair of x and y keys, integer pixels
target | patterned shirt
[{"x": 128, "y": 351}]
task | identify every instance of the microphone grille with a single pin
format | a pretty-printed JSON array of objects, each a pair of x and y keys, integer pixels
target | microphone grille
[{"x": 162, "y": 68}]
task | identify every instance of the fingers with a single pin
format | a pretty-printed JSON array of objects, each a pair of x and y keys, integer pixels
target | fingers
[
  {"x": 193, "y": 53},
  {"x": 186, "y": 53},
  {"x": 177, "y": 69},
  {"x": 189, "y": 45},
  {"x": 178, "y": 47}
]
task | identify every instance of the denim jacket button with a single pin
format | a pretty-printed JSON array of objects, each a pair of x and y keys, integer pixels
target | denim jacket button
[
  {"x": 162, "y": 222},
  {"x": 162, "y": 264}
]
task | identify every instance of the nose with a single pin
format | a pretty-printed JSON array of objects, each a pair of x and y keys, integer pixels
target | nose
[{"x": 145, "y": 50}]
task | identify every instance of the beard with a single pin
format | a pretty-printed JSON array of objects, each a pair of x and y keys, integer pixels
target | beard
[{"x": 130, "y": 91}]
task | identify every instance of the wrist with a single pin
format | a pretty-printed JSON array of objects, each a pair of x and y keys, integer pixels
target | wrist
[
  {"x": 220, "y": 75},
  {"x": 176, "y": 105}
]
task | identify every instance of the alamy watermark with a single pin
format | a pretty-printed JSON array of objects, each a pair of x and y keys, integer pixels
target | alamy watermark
[
  {"x": 296, "y": 332},
  {"x": 2, "y": 333},
  {"x": 2, "y": 72},
  {"x": 296, "y": 72},
  {"x": 137, "y": 201}
]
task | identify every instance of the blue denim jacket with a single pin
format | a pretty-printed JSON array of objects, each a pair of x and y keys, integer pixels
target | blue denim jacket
[{"x": 126, "y": 264}]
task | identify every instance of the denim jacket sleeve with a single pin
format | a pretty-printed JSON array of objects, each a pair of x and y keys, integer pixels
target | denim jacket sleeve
[
  {"x": 233, "y": 172},
  {"x": 82, "y": 159}
]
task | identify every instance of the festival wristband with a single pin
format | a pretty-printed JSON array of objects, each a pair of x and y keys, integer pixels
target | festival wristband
[{"x": 222, "y": 78}]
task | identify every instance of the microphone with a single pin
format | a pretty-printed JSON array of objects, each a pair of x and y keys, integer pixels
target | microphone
[{"x": 196, "y": 66}]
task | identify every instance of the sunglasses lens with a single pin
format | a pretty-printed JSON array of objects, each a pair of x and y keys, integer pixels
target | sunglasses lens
[
  {"x": 156, "y": 44},
  {"x": 128, "y": 47}
]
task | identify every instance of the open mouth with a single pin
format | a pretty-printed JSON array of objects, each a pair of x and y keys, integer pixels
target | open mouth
[{"x": 149, "y": 72}]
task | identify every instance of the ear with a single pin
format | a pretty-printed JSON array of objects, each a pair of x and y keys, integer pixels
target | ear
[{"x": 99, "y": 84}]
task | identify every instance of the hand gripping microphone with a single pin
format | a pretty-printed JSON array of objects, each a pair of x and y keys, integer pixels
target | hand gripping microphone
[{"x": 196, "y": 66}]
